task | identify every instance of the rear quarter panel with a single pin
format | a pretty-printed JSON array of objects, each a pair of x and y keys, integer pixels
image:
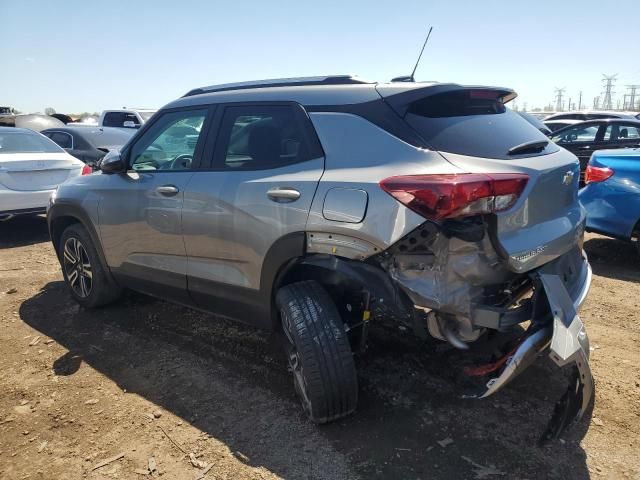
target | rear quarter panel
[{"x": 358, "y": 155}]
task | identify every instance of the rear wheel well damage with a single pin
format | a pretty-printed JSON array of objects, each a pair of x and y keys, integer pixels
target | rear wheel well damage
[{"x": 360, "y": 290}]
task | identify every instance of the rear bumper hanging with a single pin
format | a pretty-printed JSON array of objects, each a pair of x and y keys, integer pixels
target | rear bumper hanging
[{"x": 566, "y": 340}]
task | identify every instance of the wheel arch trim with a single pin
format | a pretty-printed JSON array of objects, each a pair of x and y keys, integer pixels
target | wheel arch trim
[{"x": 60, "y": 211}]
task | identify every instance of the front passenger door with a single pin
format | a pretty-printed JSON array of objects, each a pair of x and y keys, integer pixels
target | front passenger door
[{"x": 140, "y": 210}]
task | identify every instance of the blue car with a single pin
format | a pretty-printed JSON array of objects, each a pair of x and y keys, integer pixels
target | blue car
[{"x": 612, "y": 194}]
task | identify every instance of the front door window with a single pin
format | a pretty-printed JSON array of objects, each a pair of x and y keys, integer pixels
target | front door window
[{"x": 170, "y": 144}]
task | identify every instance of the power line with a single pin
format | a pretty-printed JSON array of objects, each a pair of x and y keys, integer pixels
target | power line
[
  {"x": 630, "y": 98},
  {"x": 559, "y": 94},
  {"x": 608, "y": 82}
]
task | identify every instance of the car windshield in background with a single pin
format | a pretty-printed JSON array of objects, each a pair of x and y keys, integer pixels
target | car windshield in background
[
  {"x": 26, "y": 142},
  {"x": 474, "y": 123}
]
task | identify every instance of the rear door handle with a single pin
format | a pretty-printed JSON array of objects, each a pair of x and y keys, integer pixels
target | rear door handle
[
  {"x": 283, "y": 194},
  {"x": 167, "y": 190}
]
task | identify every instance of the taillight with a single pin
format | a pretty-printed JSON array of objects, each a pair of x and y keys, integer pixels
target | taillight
[
  {"x": 445, "y": 196},
  {"x": 597, "y": 174},
  {"x": 87, "y": 170}
]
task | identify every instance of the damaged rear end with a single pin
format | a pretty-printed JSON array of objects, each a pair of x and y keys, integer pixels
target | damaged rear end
[{"x": 501, "y": 244}]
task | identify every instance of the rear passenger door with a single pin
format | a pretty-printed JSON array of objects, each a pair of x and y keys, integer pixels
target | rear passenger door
[{"x": 266, "y": 162}]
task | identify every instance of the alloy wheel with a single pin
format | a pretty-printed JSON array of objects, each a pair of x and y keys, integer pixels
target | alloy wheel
[{"x": 77, "y": 267}]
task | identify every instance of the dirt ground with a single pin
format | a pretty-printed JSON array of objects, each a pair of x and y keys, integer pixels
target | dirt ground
[{"x": 176, "y": 389}]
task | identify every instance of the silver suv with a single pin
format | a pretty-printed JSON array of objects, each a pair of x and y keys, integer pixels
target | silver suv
[{"x": 316, "y": 206}]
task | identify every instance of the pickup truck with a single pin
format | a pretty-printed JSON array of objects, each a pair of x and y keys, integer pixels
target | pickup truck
[{"x": 125, "y": 118}]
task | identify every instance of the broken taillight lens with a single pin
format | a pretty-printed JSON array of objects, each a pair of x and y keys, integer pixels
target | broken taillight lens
[
  {"x": 86, "y": 170},
  {"x": 456, "y": 195},
  {"x": 597, "y": 174}
]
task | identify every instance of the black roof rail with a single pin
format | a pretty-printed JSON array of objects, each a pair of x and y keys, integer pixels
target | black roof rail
[{"x": 280, "y": 82}]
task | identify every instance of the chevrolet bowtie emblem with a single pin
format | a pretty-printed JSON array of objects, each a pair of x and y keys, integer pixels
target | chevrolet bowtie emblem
[{"x": 568, "y": 178}]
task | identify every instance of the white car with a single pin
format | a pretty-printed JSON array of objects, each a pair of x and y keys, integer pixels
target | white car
[{"x": 31, "y": 168}]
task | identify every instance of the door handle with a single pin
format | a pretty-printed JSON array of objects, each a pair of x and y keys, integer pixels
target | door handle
[
  {"x": 584, "y": 148},
  {"x": 284, "y": 194},
  {"x": 167, "y": 190}
]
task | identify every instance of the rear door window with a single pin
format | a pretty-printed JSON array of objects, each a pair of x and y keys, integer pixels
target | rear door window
[
  {"x": 472, "y": 122},
  {"x": 621, "y": 133},
  {"x": 263, "y": 137}
]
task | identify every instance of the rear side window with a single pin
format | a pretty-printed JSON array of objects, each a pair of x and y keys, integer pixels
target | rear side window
[
  {"x": 63, "y": 139},
  {"x": 263, "y": 137},
  {"x": 472, "y": 122},
  {"x": 621, "y": 132}
]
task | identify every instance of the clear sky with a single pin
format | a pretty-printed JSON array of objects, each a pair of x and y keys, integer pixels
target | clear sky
[{"x": 80, "y": 55}]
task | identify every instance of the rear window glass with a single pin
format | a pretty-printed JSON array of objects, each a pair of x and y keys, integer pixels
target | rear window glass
[
  {"x": 24, "y": 142},
  {"x": 113, "y": 119},
  {"x": 474, "y": 123}
]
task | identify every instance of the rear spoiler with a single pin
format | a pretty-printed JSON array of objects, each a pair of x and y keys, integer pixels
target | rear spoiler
[{"x": 400, "y": 99}]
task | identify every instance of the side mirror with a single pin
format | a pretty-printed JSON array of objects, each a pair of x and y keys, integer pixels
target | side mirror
[
  {"x": 129, "y": 124},
  {"x": 112, "y": 162}
]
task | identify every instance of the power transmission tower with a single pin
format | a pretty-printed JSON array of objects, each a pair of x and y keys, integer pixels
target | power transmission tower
[
  {"x": 559, "y": 94},
  {"x": 630, "y": 104},
  {"x": 608, "y": 82}
]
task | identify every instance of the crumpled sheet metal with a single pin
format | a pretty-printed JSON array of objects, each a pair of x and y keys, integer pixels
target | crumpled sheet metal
[{"x": 453, "y": 277}]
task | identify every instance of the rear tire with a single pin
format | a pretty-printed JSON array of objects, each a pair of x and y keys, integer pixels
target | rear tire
[
  {"x": 318, "y": 351},
  {"x": 88, "y": 281}
]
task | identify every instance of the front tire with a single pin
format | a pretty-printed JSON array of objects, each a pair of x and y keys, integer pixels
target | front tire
[
  {"x": 318, "y": 351},
  {"x": 89, "y": 283}
]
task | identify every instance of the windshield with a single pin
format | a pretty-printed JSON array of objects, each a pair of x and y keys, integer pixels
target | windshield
[{"x": 26, "y": 142}]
